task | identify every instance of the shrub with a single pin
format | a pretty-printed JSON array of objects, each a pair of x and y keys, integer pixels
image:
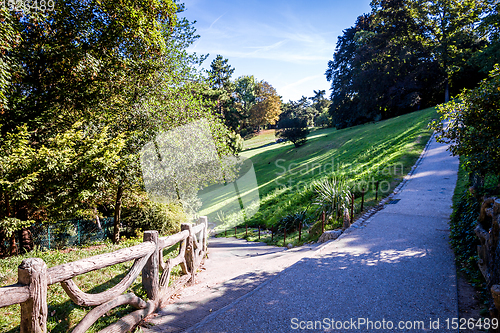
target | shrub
[
  {"x": 293, "y": 129},
  {"x": 148, "y": 215},
  {"x": 291, "y": 222},
  {"x": 333, "y": 196},
  {"x": 322, "y": 120},
  {"x": 474, "y": 126},
  {"x": 235, "y": 142},
  {"x": 463, "y": 238}
]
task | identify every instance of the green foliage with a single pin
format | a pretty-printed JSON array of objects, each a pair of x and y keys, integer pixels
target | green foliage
[
  {"x": 244, "y": 92},
  {"x": 322, "y": 120},
  {"x": 490, "y": 28},
  {"x": 220, "y": 73},
  {"x": 294, "y": 130},
  {"x": 82, "y": 88},
  {"x": 303, "y": 109},
  {"x": 291, "y": 222},
  {"x": 462, "y": 224},
  {"x": 18, "y": 173},
  {"x": 472, "y": 126},
  {"x": 320, "y": 103},
  {"x": 235, "y": 142},
  {"x": 8, "y": 41},
  {"x": 148, "y": 215},
  {"x": 333, "y": 196},
  {"x": 10, "y": 225}
]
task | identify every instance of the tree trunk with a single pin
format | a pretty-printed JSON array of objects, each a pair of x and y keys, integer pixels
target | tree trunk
[
  {"x": 3, "y": 249},
  {"x": 118, "y": 207},
  {"x": 97, "y": 220},
  {"x": 13, "y": 246},
  {"x": 447, "y": 91},
  {"x": 25, "y": 240}
]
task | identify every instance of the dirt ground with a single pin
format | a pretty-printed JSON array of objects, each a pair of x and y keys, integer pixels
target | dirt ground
[{"x": 469, "y": 304}]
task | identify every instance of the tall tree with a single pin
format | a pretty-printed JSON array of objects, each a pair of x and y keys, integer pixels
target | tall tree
[
  {"x": 489, "y": 28},
  {"x": 245, "y": 97},
  {"x": 219, "y": 77},
  {"x": 452, "y": 33},
  {"x": 220, "y": 73},
  {"x": 267, "y": 107},
  {"x": 346, "y": 108},
  {"x": 319, "y": 100}
]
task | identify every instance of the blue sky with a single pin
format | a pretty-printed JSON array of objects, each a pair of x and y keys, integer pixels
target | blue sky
[{"x": 286, "y": 43}]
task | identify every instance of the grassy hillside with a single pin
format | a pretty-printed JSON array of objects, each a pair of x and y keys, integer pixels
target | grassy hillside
[
  {"x": 261, "y": 139},
  {"x": 382, "y": 151}
]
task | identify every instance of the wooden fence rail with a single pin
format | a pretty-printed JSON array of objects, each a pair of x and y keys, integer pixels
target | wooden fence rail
[{"x": 34, "y": 277}]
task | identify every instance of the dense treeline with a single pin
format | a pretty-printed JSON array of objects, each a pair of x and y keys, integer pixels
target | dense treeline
[
  {"x": 410, "y": 54},
  {"x": 84, "y": 86}
]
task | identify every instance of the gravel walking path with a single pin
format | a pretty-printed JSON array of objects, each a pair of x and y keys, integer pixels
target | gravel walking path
[{"x": 395, "y": 272}]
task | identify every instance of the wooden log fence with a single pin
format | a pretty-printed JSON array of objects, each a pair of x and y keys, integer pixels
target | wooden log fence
[{"x": 34, "y": 278}]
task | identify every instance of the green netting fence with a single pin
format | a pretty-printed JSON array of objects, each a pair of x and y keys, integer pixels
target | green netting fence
[{"x": 70, "y": 233}]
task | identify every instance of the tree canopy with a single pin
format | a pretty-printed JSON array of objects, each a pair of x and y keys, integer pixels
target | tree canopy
[
  {"x": 82, "y": 88},
  {"x": 409, "y": 54}
]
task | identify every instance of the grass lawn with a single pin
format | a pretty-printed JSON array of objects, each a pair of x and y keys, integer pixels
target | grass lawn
[
  {"x": 383, "y": 151},
  {"x": 263, "y": 138},
  {"x": 63, "y": 313}
]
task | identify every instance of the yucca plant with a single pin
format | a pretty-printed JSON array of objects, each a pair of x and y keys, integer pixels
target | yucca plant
[
  {"x": 291, "y": 222},
  {"x": 333, "y": 196}
]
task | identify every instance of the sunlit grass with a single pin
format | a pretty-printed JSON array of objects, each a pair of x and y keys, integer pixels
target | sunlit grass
[
  {"x": 263, "y": 138},
  {"x": 383, "y": 151}
]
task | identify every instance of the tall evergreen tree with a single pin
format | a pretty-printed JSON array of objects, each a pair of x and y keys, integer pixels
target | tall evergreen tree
[{"x": 451, "y": 32}]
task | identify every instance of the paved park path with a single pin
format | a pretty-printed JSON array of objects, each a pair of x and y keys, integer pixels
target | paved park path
[{"x": 395, "y": 271}]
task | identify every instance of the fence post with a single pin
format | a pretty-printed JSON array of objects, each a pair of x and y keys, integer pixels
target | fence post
[
  {"x": 48, "y": 234},
  {"x": 352, "y": 208},
  {"x": 33, "y": 272},
  {"x": 376, "y": 190},
  {"x": 189, "y": 256},
  {"x": 150, "y": 271},
  {"x": 322, "y": 222},
  {"x": 204, "y": 220},
  {"x": 362, "y": 199}
]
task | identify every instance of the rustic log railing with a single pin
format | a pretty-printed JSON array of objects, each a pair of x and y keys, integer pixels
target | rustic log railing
[
  {"x": 488, "y": 232},
  {"x": 34, "y": 277}
]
